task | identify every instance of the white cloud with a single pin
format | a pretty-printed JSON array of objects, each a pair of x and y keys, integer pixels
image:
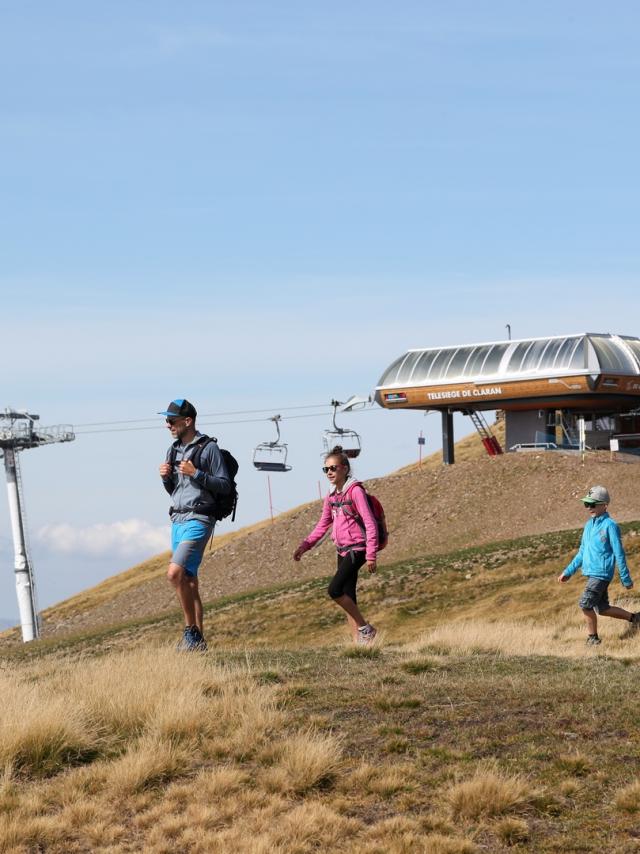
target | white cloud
[{"x": 129, "y": 538}]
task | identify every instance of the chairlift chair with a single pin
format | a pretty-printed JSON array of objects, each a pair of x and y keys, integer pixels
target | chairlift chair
[
  {"x": 349, "y": 440},
  {"x": 271, "y": 456}
]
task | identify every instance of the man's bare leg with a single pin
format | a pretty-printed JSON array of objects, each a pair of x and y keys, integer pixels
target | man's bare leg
[
  {"x": 192, "y": 582},
  {"x": 184, "y": 591}
]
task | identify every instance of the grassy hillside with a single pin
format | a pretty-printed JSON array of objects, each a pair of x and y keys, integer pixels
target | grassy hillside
[
  {"x": 431, "y": 509},
  {"x": 120, "y": 586},
  {"x": 480, "y": 722}
]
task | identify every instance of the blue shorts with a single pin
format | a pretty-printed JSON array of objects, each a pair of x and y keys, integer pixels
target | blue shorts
[{"x": 188, "y": 542}]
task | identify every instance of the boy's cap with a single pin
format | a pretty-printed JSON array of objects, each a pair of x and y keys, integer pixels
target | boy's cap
[
  {"x": 597, "y": 495},
  {"x": 180, "y": 408}
]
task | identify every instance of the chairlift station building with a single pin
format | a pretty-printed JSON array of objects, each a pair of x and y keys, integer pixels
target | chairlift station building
[{"x": 543, "y": 385}]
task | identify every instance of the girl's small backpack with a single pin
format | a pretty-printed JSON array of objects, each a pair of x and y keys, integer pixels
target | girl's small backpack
[{"x": 378, "y": 514}]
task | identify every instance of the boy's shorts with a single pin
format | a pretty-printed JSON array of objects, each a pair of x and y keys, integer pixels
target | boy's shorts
[
  {"x": 188, "y": 541},
  {"x": 595, "y": 596}
]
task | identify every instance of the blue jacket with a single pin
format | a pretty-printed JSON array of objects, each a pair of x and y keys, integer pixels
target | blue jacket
[{"x": 600, "y": 550}]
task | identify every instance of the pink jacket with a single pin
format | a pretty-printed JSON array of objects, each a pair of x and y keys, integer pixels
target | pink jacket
[{"x": 346, "y": 532}]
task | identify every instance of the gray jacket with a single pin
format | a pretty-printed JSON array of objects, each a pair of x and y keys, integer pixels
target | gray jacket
[{"x": 187, "y": 492}]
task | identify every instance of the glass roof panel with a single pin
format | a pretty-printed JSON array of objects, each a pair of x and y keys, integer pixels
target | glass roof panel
[
  {"x": 458, "y": 361},
  {"x": 634, "y": 346},
  {"x": 549, "y": 355},
  {"x": 404, "y": 373},
  {"x": 424, "y": 365},
  {"x": 532, "y": 357},
  {"x": 564, "y": 352},
  {"x": 612, "y": 356},
  {"x": 493, "y": 359},
  {"x": 517, "y": 356},
  {"x": 438, "y": 365},
  {"x": 578, "y": 362},
  {"x": 389, "y": 376},
  {"x": 475, "y": 362}
]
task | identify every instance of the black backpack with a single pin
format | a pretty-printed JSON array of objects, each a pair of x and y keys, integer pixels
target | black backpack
[{"x": 220, "y": 506}]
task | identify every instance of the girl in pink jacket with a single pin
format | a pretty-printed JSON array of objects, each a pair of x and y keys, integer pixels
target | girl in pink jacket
[{"x": 355, "y": 534}]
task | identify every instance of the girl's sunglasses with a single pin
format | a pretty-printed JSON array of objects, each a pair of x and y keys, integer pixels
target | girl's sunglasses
[{"x": 327, "y": 469}]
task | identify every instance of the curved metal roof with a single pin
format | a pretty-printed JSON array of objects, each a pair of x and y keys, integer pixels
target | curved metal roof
[{"x": 585, "y": 353}]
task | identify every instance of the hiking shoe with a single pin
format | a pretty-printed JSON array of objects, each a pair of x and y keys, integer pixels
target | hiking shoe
[
  {"x": 191, "y": 640},
  {"x": 185, "y": 641},
  {"x": 593, "y": 640},
  {"x": 366, "y": 634},
  {"x": 198, "y": 642},
  {"x": 635, "y": 620}
]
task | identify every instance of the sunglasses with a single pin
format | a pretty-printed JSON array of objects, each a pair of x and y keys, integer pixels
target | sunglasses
[
  {"x": 327, "y": 469},
  {"x": 589, "y": 504},
  {"x": 172, "y": 420}
]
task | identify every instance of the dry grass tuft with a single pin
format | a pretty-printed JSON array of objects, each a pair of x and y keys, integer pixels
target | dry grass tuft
[
  {"x": 41, "y": 730},
  {"x": 403, "y": 834},
  {"x": 312, "y": 826},
  {"x": 435, "y": 843},
  {"x": 382, "y": 780},
  {"x": 91, "y": 709},
  {"x": 304, "y": 762},
  {"x": 628, "y": 799},
  {"x": 369, "y": 651},
  {"x": 512, "y": 831},
  {"x": 577, "y": 764},
  {"x": 397, "y": 835},
  {"x": 151, "y": 761},
  {"x": 488, "y": 793},
  {"x": 154, "y": 688},
  {"x": 422, "y": 664}
]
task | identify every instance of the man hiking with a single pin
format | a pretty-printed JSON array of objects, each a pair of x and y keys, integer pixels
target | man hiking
[{"x": 193, "y": 492}]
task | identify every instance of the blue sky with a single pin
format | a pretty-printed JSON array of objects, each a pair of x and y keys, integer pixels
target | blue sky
[{"x": 260, "y": 205}]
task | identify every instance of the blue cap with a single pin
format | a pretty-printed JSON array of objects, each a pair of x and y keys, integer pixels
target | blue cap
[{"x": 180, "y": 408}]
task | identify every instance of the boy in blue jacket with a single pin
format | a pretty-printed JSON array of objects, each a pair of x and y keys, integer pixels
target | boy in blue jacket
[{"x": 600, "y": 549}]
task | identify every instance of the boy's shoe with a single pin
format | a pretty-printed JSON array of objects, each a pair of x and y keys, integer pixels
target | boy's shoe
[
  {"x": 366, "y": 634},
  {"x": 593, "y": 640},
  {"x": 635, "y": 620}
]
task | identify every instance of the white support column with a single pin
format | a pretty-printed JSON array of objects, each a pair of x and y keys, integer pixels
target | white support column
[
  {"x": 582, "y": 437},
  {"x": 24, "y": 589}
]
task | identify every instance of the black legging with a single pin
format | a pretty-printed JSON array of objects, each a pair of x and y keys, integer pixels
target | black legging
[{"x": 344, "y": 581}]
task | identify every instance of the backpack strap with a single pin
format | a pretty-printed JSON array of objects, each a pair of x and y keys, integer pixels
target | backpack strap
[
  {"x": 195, "y": 454},
  {"x": 346, "y": 502},
  {"x": 347, "y": 505},
  {"x": 206, "y": 508}
]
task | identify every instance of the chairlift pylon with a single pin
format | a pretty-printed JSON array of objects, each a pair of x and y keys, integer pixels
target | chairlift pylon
[
  {"x": 349, "y": 440},
  {"x": 271, "y": 456}
]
